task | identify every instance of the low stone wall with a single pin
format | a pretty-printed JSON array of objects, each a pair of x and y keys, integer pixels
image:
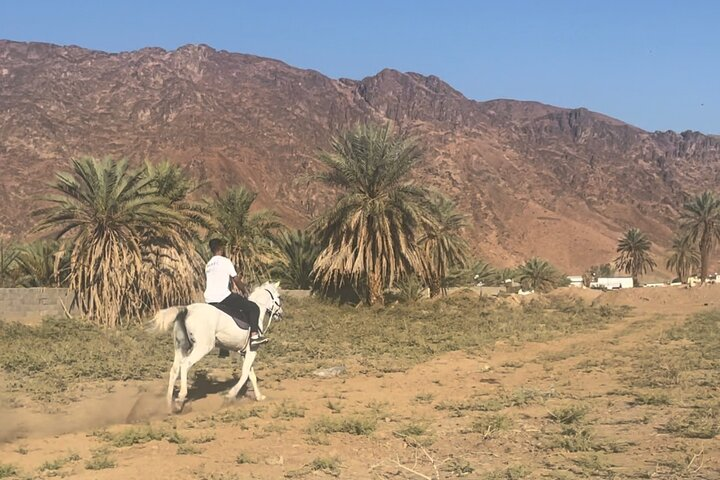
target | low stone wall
[
  {"x": 482, "y": 291},
  {"x": 31, "y": 305}
]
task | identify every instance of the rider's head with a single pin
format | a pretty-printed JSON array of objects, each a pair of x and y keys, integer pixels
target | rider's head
[{"x": 217, "y": 246}]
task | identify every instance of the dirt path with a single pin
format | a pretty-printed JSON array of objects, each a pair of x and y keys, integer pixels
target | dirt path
[{"x": 482, "y": 414}]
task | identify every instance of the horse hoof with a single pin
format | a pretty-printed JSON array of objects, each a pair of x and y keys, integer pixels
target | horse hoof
[
  {"x": 177, "y": 406},
  {"x": 260, "y": 398}
]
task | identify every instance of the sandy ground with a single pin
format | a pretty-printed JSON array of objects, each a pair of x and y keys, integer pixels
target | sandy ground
[{"x": 274, "y": 441}]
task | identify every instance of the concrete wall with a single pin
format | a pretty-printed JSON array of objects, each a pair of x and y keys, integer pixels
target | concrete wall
[{"x": 30, "y": 305}]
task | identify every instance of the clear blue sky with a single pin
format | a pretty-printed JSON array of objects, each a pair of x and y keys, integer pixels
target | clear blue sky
[{"x": 651, "y": 63}]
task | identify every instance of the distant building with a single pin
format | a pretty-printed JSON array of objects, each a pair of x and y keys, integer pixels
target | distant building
[
  {"x": 576, "y": 281},
  {"x": 612, "y": 283}
]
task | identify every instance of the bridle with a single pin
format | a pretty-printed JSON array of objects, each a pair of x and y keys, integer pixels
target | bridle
[{"x": 274, "y": 311}]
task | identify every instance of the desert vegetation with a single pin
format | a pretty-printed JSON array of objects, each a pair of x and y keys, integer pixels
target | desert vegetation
[
  {"x": 418, "y": 393},
  {"x": 78, "y": 352},
  {"x": 128, "y": 240},
  {"x": 422, "y": 397}
]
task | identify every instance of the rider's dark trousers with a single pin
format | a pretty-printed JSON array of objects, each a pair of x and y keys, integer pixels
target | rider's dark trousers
[{"x": 241, "y": 305}]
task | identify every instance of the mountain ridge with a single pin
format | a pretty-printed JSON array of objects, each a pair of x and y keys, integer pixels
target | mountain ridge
[{"x": 535, "y": 179}]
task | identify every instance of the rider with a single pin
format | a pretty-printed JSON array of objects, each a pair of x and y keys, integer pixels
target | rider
[{"x": 219, "y": 271}]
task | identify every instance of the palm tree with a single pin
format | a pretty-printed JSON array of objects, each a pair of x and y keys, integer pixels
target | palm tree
[
  {"x": 39, "y": 264},
  {"x": 107, "y": 211},
  {"x": 634, "y": 258},
  {"x": 538, "y": 274},
  {"x": 484, "y": 273},
  {"x": 685, "y": 257},
  {"x": 173, "y": 183},
  {"x": 504, "y": 274},
  {"x": 249, "y": 236},
  {"x": 8, "y": 264},
  {"x": 370, "y": 235},
  {"x": 472, "y": 273},
  {"x": 298, "y": 252},
  {"x": 173, "y": 266},
  {"x": 442, "y": 246},
  {"x": 701, "y": 223}
]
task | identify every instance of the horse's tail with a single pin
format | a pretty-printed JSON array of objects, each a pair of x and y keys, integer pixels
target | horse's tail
[
  {"x": 165, "y": 318},
  {"x": 175, "y": 315}
]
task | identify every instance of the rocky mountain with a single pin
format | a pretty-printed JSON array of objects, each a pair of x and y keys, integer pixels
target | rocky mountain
[{"x": 534, "y": 179}]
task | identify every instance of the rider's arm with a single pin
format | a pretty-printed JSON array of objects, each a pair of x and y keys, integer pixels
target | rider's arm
[{"x": 242, "y": 288}]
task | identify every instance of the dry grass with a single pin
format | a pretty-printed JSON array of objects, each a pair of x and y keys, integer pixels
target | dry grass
[
  {"x": 49, "y": 360},
  {"x": 566, "y": 426}
]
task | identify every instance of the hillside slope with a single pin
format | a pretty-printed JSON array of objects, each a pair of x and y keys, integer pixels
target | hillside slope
[{"x": 535, "y": 179}]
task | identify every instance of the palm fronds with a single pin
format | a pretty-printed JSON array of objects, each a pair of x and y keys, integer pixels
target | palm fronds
[
  {"x": 297, "y": 253},
  {"x": 109, "y": 213},
  {"x": 685, "y": 257},
  {"x": 370, "y": 234},
  {"x": 248, "y": 235},
  {"x": 538, "y": 274},
  {"x": 443, "y": 247},
  {"x": 701, "y": 223},
  {"x": 634, "y": 254}
]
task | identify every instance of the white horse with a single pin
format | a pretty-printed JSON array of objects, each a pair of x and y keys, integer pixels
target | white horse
[{"x": 199, "y": 327}]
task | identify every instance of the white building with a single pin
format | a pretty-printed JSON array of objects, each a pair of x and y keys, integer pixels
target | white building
[
  {"x": 612, "y": 283},
  {"x": 576, "y": 280}
]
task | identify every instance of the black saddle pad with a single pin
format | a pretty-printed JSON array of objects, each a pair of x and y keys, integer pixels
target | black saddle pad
[{"x": 240, "y": 321}]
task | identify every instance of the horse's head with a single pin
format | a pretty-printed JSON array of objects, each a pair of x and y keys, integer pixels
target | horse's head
[{"x": 267, "y": 296}]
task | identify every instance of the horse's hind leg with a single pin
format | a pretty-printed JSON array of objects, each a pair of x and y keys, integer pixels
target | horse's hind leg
[
  {"x": 198, "y": 352},
  {"x": 174, "y": 371}
]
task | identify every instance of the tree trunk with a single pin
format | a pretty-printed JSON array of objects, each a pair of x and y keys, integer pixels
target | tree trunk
[
  {"x": 635, "y": 277},
  {"x": 705, "y": 245},
  {"x": 374, "y": 290},
  {"x": 434, "y": 285}
]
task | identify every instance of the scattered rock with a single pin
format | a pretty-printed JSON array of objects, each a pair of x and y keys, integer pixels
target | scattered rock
[
  {"x": 330, "y": 372},
  {"x": 275, "y": 460}
]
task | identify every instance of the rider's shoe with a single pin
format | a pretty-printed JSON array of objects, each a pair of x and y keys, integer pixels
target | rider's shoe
[{"x": 259, "y": 340}]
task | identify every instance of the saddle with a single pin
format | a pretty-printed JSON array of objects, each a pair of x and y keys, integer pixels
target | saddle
[{"x": 240, "y": 321}]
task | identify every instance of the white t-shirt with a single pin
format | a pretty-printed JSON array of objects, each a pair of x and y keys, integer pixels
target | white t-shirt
[{"x": 218, "y": 272}]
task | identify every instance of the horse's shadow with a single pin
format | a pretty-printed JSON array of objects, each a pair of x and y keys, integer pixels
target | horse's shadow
[{"x": 203, "y": 385}]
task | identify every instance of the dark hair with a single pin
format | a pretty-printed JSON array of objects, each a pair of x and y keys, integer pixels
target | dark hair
[{"x": 216, "y": 244}]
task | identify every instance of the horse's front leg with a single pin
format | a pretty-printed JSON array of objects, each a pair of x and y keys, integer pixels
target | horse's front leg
[
  {"x": 253, "y": 380},
  {"x": 245, "y": 373}
]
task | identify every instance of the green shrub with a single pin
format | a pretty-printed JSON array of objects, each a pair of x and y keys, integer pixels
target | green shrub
[
  {"x": 489, "y": 425},
  {"x": 350, "y": 425},
  {"x": 570, "y": 414},
  {"x": 58, "y": 463},
  {"x": 8, "y": 470}
]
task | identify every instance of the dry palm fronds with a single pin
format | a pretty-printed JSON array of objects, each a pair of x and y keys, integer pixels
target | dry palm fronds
[
  {"x": 108, "y": 212},
  {"x": 371, "y": 233}
]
